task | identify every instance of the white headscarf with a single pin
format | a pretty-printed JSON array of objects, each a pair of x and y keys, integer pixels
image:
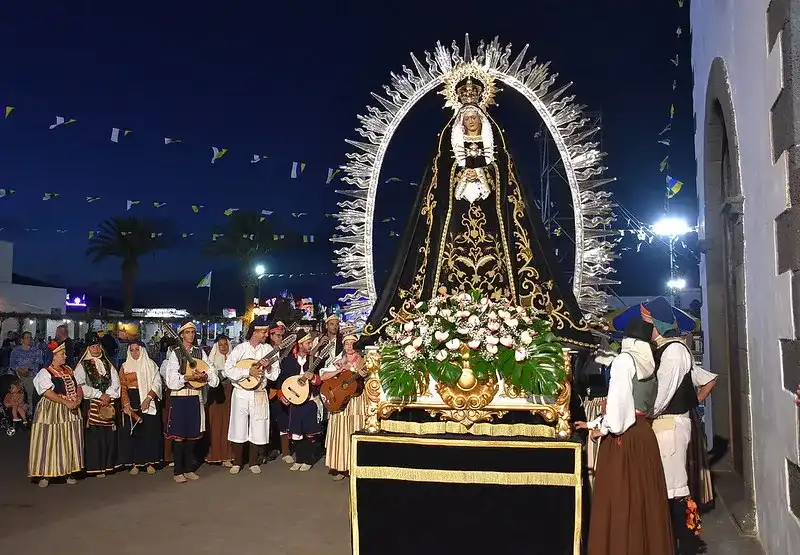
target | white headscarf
[
  {"x": 457, "y": 136},
  {"x": 642, "y": 355},
  {"x": 147, "y": 375},
  {"x": 217, "y": 358}
]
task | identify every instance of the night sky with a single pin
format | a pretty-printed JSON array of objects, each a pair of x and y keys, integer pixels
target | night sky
[{"x": 286, "y": 80}]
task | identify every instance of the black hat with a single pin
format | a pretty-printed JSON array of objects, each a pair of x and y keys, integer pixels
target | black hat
[
  {"x": 93, "y": 339},
  {"x": 639, "y": 329},
  {"x": 259, "y": 322}
]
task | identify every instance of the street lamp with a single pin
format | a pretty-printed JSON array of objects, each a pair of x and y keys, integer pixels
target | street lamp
[
  {"x": 261, "y": 271},
  {"x": 676, "y": 284}
]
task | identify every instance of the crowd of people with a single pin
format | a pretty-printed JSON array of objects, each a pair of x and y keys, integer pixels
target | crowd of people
[{"x": 223, "y": 407}]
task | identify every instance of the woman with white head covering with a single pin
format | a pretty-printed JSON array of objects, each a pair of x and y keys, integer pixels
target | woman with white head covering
[
  {"x": 141, "y": 444},
  {"x": 218, "y": 402},
  {"x": 630, "y": 511}
]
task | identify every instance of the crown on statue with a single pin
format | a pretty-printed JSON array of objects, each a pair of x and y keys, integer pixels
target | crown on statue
[{"x": 469, "y": 84}]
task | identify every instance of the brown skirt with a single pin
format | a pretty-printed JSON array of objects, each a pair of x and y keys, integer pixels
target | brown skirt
[
  {"x": 219, "y": 418},
  {"x": 630, "y": 509}
]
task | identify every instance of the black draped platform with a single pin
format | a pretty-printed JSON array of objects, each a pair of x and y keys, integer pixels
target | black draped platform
[{"x": 455, "y": 494}]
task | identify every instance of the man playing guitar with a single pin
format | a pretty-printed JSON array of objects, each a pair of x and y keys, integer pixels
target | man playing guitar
[
  {"x": 250, "y": 409},
  {"x": 301, "y": 422},
  {"x": 187, "y": 421},
  {"x": 278, "y": 441}
]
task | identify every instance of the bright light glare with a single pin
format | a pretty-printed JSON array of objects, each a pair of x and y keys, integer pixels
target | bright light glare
[
  {"x": 260, "y": 270},
  {"x": 676, "y": 284},
  {"x": 671, "y": 227}
]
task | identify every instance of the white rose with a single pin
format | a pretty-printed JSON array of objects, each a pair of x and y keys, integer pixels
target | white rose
[
  {"x": 445, "y": 312},
  {"x": 526, "y": 338},
  {"x": 410, "y": 351},
  {"x": 484, "y": 301},
  {"x": 493, "y": 325},
  {"x": 423, "y": 330},
  {"x": 433, "y": 310},
  {"x": 473, "y": 320},
  {"x": 462, "y": 314},
  {"x": 491, "y": 349},
  {"x": 506, "y": 341},
  {"x": 520, "y": 355},
  {"x": 417, "y": 343},
  {"x": 408, "y": 326},
  {"x": 463, "y": 331},
  {"x": 465, "y": 297},
  {"x": 492, "y": 340},
  {"x": 503, "y": 314},
  {"x": 406, "y": 340},
  {"x": 520, "y": 310},
  {"x": 453, "y": 344},
  {"x": 512, "y": 323},
  {"x": 441, "y": 356},
  {"x": 474, "y": 344},
  {"x": 441, "y": 335},
  {"x": 492, "y": 315}
]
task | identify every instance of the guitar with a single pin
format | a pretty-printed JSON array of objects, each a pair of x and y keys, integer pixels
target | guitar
[
  {"x": 249, "y": 382},
  {"x": 337, "y": 391},
  {"x": 193, "y": 365},
  {"x": 296, "y": 389}
]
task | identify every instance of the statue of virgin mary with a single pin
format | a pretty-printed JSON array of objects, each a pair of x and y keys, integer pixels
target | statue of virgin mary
[{"x": 472, "y": 226}]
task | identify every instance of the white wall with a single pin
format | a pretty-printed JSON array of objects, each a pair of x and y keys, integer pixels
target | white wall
[
  {"x": 735, "y": 30},
  {"x": 28, "y": 298}
]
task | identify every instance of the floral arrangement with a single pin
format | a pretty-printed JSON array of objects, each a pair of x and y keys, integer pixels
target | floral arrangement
[{"x": 498, "y": 338}]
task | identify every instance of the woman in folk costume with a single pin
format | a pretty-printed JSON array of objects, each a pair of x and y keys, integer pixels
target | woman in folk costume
[
  {"x": 301, "y": 422},
  {"x": 141, "y": 442},
  {"x": 187, "y": 420},
  {"x": 341, "y": 425},
  {"x": 676, "y": 399},
  {"x": 630, "y": 514},
  {"x": 56, "y": 446},
  {"x": 100, "y": 383},
  {"x": 250, "y": 408},
  {"x": 218, "y": 403}
]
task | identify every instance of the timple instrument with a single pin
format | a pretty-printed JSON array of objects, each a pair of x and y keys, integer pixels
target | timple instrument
[
  {"x": 296, "y": 389},
  {"x": 192, "y": 365},
  {"x": 251, "y": 382}
]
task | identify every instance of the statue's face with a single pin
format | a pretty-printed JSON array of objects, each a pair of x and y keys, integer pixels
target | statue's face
[{"x": 472, "y": 123}]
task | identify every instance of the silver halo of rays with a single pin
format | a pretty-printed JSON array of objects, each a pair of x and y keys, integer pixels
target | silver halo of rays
[{"x": 568, "y": 126}]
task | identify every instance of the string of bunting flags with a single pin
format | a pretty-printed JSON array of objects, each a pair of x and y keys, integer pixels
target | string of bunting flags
[{"x": 665, "y": 137}]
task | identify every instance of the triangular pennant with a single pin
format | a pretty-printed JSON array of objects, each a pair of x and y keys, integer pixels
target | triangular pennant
[
  {"x": 168, "y": 141},
  {"x": 159, "y": 204},
  {"x": 217, "y": 153},
  {"x": 50, "y": 196},
  {"x": 230, "y": 211},
  {"x": 131, "y": 203},
  {"x": 331, "y": 174},
  {"x": 92, "y": 199},
  {"x": 9, "y": 109}
]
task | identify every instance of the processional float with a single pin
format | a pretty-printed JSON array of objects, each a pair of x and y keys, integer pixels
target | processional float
[{"x": 469, "y": 378}]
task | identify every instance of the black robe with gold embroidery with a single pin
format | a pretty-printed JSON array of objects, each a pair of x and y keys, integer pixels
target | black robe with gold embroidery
[{"x": 497, "y": 245}]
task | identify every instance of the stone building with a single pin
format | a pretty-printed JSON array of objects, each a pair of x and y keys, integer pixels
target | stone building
[{"x": 746, "y": 61}]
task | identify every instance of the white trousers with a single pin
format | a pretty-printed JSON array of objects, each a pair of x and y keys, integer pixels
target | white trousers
[
  {"x": 249, "y": 417},
  {"x": 673, "y": 433}
]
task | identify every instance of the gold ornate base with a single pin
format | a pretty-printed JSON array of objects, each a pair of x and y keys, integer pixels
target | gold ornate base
[{"x": 468, "y": 403}]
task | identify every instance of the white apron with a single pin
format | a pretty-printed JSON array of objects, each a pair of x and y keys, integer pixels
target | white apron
[
  {"x": 249, "y": 417},
  {"x": 673, "y": 432}
]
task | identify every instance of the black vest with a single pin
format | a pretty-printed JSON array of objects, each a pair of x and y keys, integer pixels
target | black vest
[{"x": 685, "y": 398}]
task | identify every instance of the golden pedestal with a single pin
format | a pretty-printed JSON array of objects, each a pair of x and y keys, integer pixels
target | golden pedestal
[{"x": 468, "y": 407}]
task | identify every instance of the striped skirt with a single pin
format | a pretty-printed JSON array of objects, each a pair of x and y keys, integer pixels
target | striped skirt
[
  {"x": 341, "y": 426},
  {"x": 56, "y": 447}
]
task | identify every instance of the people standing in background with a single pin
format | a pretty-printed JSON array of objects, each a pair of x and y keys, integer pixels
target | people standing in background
[
  {"x": 62, "y": 337},
  {"x": 26, "y": 361}
]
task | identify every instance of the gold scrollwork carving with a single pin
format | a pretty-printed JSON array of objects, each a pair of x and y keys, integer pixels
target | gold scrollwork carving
[{"x": 372, "y": 391}]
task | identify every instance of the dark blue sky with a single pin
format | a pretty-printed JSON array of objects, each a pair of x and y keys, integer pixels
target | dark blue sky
[{"x": 287, "y": 80}]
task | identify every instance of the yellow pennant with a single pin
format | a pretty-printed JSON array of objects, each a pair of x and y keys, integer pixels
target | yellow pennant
[
  {"x": 196, "y": 208},
  {"x": 159, "y": 204},
  {"x": 664, "y": 164},
  {"x": 230, "y": 211},
  {"x": 9, "y": 109},
  {"x": 671, "y": 111},
  {"x": 91, "y": 234}
]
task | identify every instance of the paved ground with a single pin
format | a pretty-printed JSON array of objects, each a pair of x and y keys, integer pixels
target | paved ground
[{"x": 276, "y": 512}]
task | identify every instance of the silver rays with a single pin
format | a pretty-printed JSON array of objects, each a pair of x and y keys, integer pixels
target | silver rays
[{"x": 567, "y": 124}]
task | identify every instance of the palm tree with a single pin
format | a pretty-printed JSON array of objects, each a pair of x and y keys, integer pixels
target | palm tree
[
  {"x": 246, "y": 238},
  {"x": 128, "y": 239}
]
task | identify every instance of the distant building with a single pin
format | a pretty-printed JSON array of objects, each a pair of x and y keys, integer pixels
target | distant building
[
  {"x": 747, "y": 114},
  {"x": 25, "y": 298}
]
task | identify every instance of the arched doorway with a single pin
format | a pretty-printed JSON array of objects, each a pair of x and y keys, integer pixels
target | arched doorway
[{"x": 726, "y": 325}]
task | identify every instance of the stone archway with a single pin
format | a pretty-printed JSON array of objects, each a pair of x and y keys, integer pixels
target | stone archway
[{"x": 725, "y": 311}]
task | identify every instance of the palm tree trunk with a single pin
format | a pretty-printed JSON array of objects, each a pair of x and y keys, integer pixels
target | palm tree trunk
[{"x": 129, "y": 272}]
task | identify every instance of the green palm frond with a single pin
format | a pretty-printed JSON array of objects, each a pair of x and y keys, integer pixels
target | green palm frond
[{"x": 128, "y": 239}]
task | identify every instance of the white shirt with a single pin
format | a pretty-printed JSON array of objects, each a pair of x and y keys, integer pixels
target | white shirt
[
  {"x": 676, "y": 362},
  {"x": 244, "y": 351},
  {"x": 175, "y": 380},
  {"x": 90, "y": 392},
  {"x": 620, "y": 408}
]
